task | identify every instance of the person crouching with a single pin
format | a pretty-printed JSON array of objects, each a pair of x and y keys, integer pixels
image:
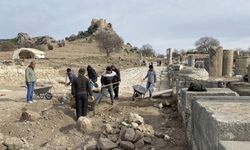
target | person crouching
[{"x": 80, "y": 90}]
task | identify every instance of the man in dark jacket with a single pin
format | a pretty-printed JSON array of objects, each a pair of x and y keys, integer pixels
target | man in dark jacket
[
  {"x": 80, "y": 90},
  {"x": 116, "y": 80},
  {"x": 92, "y": 75},
  {"x": 107, "y": 82}
]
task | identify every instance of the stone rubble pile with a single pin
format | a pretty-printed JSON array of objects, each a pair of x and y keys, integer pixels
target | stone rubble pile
[
  {"x": 13, "y": 143},
  {"x": 132, "y": 133}
]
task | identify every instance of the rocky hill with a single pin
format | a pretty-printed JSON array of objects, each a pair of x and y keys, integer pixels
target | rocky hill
[
  {"x": 49, "y": 43},
  {"x": 25, "y": 40}
]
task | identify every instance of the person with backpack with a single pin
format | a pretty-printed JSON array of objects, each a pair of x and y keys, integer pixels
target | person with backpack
[{"x": 151, "y": 75}]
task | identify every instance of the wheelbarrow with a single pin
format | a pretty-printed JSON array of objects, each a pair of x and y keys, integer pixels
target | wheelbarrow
[
  {"x": 43, "y": 92},
  {"x": 139, "y": 90}
]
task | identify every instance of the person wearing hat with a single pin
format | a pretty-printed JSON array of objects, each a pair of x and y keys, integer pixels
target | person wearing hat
[
  {"x": 30, "y": 80},
  {"x": 81, "y": 89}
]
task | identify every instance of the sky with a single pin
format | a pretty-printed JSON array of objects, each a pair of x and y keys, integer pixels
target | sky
[{"x": 160, "y": 23}]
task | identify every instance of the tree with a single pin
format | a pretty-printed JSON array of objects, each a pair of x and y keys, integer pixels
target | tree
[
  {"x": 175, "y": 53},
  {"x": 204, "y": 43},
  {"x": 147, "y": 50},
  {"x": 108, "y": 42}
]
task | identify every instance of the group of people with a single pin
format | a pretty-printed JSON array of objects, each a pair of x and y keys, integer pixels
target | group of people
[{"x": 82, "y": 86}]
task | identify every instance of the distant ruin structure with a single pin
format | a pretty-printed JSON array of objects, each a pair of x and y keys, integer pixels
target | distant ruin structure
[
  {"x": 215, "y": 61},
  {"x": 191, "y": 60},
  {"x": 227, "y": 70},
  {"x": 169, "y": 56}
]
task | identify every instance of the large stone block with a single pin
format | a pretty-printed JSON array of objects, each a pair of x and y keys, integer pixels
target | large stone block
[
  {"x": 234, "y": 145},
  {"x": 186, "y": 98},
  {"x": 217, "y": 119}
]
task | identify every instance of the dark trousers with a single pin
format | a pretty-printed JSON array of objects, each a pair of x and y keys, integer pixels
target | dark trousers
[
  {"x": 116, "y": 90},
  {"x": 81, "y": 105}
]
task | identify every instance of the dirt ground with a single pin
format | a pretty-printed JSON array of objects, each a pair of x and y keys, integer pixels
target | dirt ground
[{"x": 56, "y": 128}]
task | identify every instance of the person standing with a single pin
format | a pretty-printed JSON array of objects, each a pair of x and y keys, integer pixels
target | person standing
[
  {"x": 116, "y": 80},
  {"x": 30, "y": 80},
  {"x": 151, "y": 75},
  {"x": 81, "y": 90},
  {"x": 71, "y": 76},
  {"x": 92, "y": 76},
  {"x": 107, "y": 82}
]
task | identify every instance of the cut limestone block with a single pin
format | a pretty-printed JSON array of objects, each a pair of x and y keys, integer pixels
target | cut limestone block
[
  {"x": 234, "y": 145},
  {"x": 186, "y": 98},
  {"x": 220, "y": 119}
]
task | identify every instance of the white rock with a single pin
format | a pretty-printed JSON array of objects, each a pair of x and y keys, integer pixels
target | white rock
[
  {"x": 132, "y": 117},
  {"x": 125, "y": 124},
  {"x": 134, "y": 125},
  {"x": 166, "y": 137},
  {"x": 107, "y": 128},
  {"x": 13, "y": 143},
  {"x": 84, "y": 124}
]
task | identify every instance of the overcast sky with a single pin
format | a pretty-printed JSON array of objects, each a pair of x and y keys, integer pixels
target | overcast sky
[{"x": 161, "y": 23}]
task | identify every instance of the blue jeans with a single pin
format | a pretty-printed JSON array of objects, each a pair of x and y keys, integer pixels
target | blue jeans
[
  {"x": 150, "y": 88},
  {"x": 110, "y": 90},
  {"x": 30, "y": 90}
]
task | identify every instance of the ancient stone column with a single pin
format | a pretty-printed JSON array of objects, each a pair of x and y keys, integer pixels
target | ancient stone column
[
  {"x": 248, "y": 72},
  {"x": 241, "y": 65},
  {"x": 170, "y": 57},
  {"x": 227, "y": 70},
  {"x": 191, "y": 60},
  {"x": 212, "y": 62},
  {"x": 219, "y": 60}
]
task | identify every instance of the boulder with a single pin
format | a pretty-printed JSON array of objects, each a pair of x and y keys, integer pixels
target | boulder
[
  {"x": 24, "y": 40},
  {"x": 138, "y": 136},
  {"x": 106, "y": 144},
  {"x": 29, "y": 116},
  {"x": 146, "y": 129},
  {"x": 159, "y": 134},
  {"x": 113, "y": 137},
  {"x": 128, "y": 135},
  {"x": 166, "y": 137},
  {"x": 91, "y": 145},
  {"x": 132, "y": 117},
  {"x": 13, "y": 143},
  {"x": 134, "y": 125},
  {"x": 107, "y": 128},
  {"x": 127, "y": 145},
  {"x": 44, "y": 40},
  {"x": 147, "y": 140},
  {"x": 84, "y": 124},
  {"x": 140, "y": 143}
]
